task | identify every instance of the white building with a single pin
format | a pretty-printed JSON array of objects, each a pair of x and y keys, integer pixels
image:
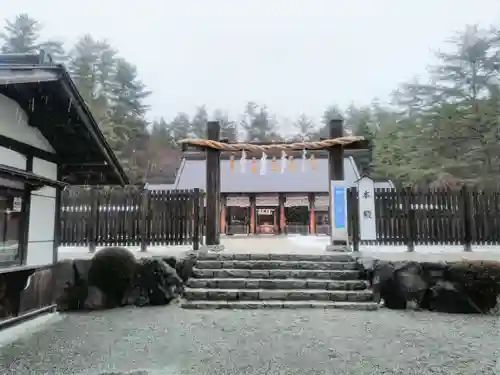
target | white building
[{"x": 48, "y": 140}]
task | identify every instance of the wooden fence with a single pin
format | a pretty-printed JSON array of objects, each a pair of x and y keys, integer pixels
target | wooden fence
[
  {"x": 135, "y": 217},
  {"x": 130, "y": 217},
  {"x": 464, "y": 217}
]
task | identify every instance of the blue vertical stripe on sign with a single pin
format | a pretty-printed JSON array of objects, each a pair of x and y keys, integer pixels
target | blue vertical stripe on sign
[{"x": 339, "y": 207}]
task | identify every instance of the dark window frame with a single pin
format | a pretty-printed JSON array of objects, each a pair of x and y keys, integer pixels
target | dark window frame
[{"x": 15, "y": 192}]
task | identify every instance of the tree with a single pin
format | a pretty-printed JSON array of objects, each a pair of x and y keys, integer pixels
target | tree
[
  {"x": 258, "y": 124},
  {"x": 199, "y": 123},
  {"x": 304, "y": 128},
  {"x": 163, "y": 157},
  {"x": 91, "y": 64},
  {"x": 180, "y": 127},
  {"x": 455, "y": 116},
  {"x": 126, "y": 112},
  {"x": 116, "y": 97},
  {"x": 359, "y": 121},
  {"x": 22, "y": 35},
  {"x": 329, "y": 114},
  {"x": 228, "y": 128}
]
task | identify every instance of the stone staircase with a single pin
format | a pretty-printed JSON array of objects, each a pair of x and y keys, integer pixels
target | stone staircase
[{"x": 252, "y": 281}]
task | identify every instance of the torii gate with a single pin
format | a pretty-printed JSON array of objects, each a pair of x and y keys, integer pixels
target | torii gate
[{"x": 336, "y": 144}]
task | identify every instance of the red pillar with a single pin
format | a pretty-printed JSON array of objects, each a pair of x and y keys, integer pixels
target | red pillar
[
  {"x": 252, "y": 216},
  {"x": 282, "y": 217},
  {"x": 223, "y": 217},
  {"x": 312, "y": 216}
]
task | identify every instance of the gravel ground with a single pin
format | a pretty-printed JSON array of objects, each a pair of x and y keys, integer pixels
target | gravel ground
[{"x": 172, "y": 341}]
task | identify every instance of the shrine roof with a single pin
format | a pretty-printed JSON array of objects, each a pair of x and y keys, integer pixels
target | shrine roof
[
  {"x": 192, "y": 174},
  {"x": 53, "y": 105}
]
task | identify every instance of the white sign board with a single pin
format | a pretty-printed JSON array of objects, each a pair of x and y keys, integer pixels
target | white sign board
[
  {"x": 366, "y": 199},
  {"x": 338, "y": 211},
  {"x": 265, "y": 211},
  {"x": 17, "y": 204}
]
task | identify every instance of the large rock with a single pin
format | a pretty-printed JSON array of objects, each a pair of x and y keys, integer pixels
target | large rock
[
  {"x": 458, "y": 287},
  {"x": 96, "y": 283},
  {"x": 95, "y": 299},
  {"x": 183, "y": 265},
  {"x": 479, "y": 280},
  {"x": 388, "y": 287},
  {"x": 448, "y": 297},
  {"x": 396, "y": 283},
  {"x": 114, "y": 277},
  {"x": 155, "y": 283},
  {"x": 71, "y": 283},
  {"x": 112, "y": 270}
]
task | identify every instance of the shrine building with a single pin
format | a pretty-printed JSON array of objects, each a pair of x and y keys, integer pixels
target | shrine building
[
  {"x": 49, "y": 140},
  {"x": 263, "y": 197}
]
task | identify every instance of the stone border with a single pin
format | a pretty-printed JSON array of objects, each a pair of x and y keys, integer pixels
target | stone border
[
  {"x": 338, "y": 248},
  {"x": 211, "y": 249}
]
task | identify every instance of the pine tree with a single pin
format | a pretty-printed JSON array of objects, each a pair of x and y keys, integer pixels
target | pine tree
[
  {"x": 199, "y": 123},
  {"x": 180, "y": 127},
  {"x": 304, "y": 128},
  {"x": 330, "y": 113},
  {"x": 359, "y": 121},
  {"x": 22, "y": 35},
  {"x": 455, "y": 116},
  {"x": 127, "y": 110},
  {"x": 258, "y": 124},
  {"x": 91, "y": 64},
  {"x": 228, "y": 128}
]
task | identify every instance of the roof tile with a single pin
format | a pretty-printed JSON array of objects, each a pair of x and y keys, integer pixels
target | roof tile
[{"x": 192, "y": 174}]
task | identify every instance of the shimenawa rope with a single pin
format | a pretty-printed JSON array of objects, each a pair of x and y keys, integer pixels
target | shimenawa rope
[{"x": 315, "y": 145}]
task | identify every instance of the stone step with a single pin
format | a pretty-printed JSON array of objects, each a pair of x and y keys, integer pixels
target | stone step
[
  {"x": 275, "y": 264},
  {"x": 277, "y": 294},
  {"x": 277, "y": 284},
  {"x": 276, "y": 274},
  {"x": 335, "y": 257},
  {"x": 365, "y": 306}
]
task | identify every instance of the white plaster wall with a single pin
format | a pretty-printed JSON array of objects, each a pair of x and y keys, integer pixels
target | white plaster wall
[
  {"x": 45, "y": 169},
  {"x": 42, "y": 217},
  {"x": 40, "y": 253},
  {"x": 12, "y": 158},
  {"x": 14, "y": 124},
  {"x": 41, "y": 229}
]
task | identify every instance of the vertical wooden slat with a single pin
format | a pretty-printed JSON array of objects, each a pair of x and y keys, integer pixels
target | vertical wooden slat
[
  {"x": 197, "y": 219},
  {"x": 466, "y": 218},
  {"x": 144, "y": 219},
  {"x": 410, "y": 219}
]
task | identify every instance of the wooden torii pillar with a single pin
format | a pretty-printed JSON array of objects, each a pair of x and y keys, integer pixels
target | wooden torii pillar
[
  {"x": 212, "y": 225},
  {"x": 338, "y": 215}
]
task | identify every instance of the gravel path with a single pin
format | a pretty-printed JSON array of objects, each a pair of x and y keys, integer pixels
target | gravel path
[{"x": 172, "y": 341}]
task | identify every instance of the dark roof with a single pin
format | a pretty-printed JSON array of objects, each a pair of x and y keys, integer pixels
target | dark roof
[
  {"x": 192, "y": 174},
  {"x": 52, "y": 103},
  {"x": 32, "y": 179}
]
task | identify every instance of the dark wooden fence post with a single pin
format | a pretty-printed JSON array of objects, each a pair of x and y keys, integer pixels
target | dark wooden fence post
[
  {"x": 410, "y": 219},
  {"x": 196, "y": 219},
  {"x": 465, "y": 200},
  {"x": 213, "y": 188},
  {"x": 353, "y": 214},
  {"x": 144, "y": 218},
  {"x": 94, "y": 213}
]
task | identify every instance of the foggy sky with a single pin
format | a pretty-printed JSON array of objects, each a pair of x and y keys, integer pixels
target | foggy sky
[{"x": 295, "y": 56}]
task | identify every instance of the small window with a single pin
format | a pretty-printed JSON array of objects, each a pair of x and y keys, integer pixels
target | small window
[{"x": 11, "y": 201}]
